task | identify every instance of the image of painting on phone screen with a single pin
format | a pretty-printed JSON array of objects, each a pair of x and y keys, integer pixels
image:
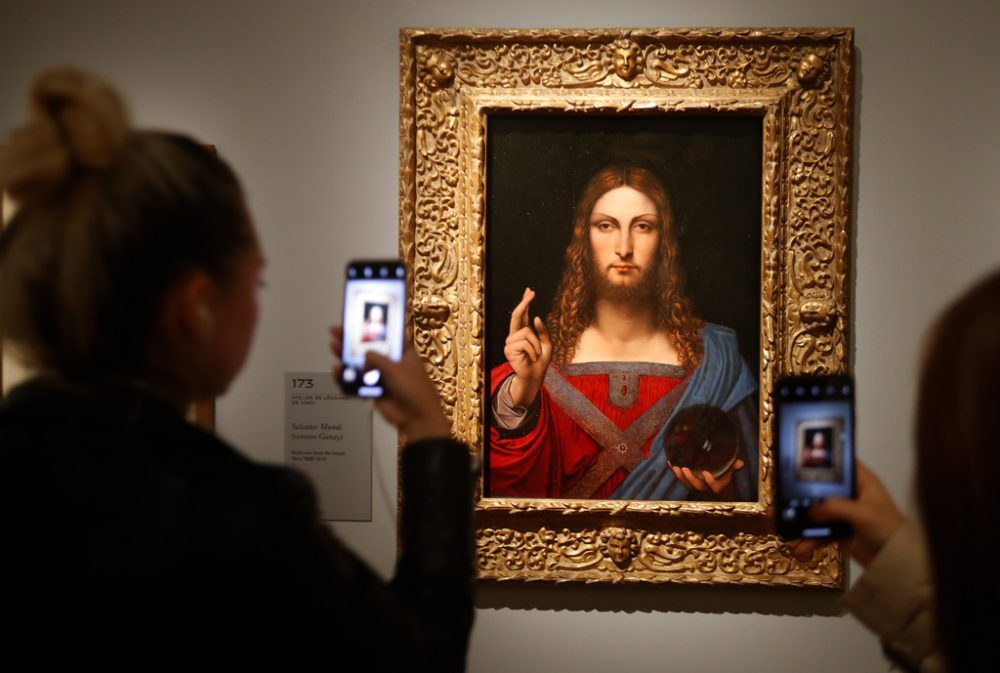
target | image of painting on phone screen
[
  {"x": 815, "y": 447},
  {"x": 820, "y": 450},
  {"x": 373, "y": 319},
  {"x": 819, "y": 435}
]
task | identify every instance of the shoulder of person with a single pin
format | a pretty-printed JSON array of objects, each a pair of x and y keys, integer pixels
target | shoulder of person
[{"x": 132, "y": 445}]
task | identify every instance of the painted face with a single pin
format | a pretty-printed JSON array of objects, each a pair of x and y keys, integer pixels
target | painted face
[
  {"x": 235, "y": 317},
  {"x": 624, "y": 237}
]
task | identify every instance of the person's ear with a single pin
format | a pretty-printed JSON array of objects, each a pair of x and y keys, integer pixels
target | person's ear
[
  {"x": 205, "y": 319},
  {"x": 188, "y": 309}
]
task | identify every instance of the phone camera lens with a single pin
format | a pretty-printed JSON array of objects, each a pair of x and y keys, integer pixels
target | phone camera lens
[
  {"x": 368, "y": 272},
  {"x": 383, "y": 272}
]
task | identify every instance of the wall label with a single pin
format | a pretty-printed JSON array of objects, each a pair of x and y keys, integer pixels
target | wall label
[{"x": 328, "y": 436}]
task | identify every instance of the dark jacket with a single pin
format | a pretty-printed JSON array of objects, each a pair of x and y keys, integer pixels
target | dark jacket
[{"x": 124, "y": 523}]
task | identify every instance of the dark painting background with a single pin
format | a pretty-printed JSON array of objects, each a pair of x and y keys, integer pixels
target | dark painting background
[{"x": 537, "y": 166}]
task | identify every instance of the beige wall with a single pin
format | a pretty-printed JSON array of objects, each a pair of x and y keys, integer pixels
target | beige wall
[{"x": 302, "y": 98}]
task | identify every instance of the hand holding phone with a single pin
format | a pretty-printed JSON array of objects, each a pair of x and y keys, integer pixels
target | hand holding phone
[
  {"x": 873, "y": 516},
  {"x": 411, "y": 401}
]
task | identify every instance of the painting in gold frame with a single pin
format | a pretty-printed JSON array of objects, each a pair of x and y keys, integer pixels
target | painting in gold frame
[{"x": 797, "y": 86}]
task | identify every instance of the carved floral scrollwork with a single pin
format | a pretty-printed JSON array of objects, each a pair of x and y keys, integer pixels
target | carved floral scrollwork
[
  {"x": 816, "y": 215},
  {"x": 799, "y": 82},
  {"x": 624, "y": 554},
  {"x": 664, "y": 68}
]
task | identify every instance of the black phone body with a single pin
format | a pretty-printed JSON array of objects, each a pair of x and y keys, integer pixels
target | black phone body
[
  {"x": 814, "y": 451},
  {"x": 374, "y": 315}
]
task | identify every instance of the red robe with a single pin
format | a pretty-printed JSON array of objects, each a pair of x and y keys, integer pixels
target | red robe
[{"x": 549, "y": 459}]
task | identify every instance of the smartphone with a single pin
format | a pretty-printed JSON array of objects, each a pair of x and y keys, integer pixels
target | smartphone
[
  {"x": 374, "y": 311},
  {"x": 814, "y": 449}
]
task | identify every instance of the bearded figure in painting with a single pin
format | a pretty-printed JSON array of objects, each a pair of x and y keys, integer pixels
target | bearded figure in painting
[{"x": 582, "y": 406}]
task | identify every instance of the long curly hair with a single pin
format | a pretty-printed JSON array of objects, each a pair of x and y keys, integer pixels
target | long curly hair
[{"x": 573, "y": 307}]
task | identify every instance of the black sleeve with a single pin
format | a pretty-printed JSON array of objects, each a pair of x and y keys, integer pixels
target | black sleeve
[
  {"x": 436, "y": 567},
  {"x": 418, "y": 621}
]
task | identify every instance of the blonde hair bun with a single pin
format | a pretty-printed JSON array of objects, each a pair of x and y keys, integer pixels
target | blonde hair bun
[{"x": 77, "y": 122}]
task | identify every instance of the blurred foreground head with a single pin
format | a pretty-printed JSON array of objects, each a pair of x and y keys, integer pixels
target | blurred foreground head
[
  {"x": 127, "y": 247},
  {"x": 958, "y": 468}
]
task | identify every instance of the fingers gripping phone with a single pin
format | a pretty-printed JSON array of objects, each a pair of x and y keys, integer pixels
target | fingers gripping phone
[
  {"x": 814, "y": 446},
  {"x": 374, "y": 311}
]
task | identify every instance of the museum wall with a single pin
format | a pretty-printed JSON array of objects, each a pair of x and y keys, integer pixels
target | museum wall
[{"x": 302, "y": 98}]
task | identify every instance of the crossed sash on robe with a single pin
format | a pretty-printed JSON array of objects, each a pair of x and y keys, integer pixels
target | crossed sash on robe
[{"x": 620, "y": 449}]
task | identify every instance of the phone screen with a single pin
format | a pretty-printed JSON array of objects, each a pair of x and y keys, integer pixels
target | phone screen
[
  {"x": 815, "y": 451},
  {"x": 374, "y": 311}
]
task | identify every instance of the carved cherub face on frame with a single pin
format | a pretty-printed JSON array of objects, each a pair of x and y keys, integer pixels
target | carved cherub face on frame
[
  {"x": 626, "y": 59},
  {"x": 441, "y": 68},
  {"x": 619, "y": 546},
  {"x": 809, "y": 70}
]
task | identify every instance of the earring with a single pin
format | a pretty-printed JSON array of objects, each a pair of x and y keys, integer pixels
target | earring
[{"x": 205, "y": 315}]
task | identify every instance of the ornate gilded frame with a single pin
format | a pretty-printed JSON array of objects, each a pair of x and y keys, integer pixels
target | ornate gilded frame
[{"x": 800, "y": 83}]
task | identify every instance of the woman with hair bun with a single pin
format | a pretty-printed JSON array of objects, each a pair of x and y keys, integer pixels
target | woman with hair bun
[{"x": 128, "y": 280}]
